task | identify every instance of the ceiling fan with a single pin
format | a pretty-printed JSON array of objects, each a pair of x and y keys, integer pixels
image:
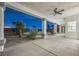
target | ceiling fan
[{"x": 58, "y": 12}]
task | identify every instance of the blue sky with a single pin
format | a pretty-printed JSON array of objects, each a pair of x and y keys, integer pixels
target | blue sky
[{"x": 11, "y": 15}]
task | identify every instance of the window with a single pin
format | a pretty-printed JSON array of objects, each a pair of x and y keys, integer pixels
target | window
[{"x": 72, "y": 26}]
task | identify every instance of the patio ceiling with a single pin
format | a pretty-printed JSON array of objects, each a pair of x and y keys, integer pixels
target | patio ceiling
[
  {"x": 43, "y": 9},
  {"x": 46, "y": 8}
]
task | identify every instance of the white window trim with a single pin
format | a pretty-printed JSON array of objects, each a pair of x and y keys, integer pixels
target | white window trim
[{"x": 71, "y": 25}]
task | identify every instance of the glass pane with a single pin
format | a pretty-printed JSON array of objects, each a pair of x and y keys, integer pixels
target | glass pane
[{"x": 72, "y": 26}]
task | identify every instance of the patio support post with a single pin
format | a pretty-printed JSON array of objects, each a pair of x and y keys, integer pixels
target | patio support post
[
  {"x": 55, "y": 28},
  {"x": 44, "y": 28},
  {"x": 60, "y": 29},
  {"x": 1, "y": 21},
  {"x": 2, "y": 39}
]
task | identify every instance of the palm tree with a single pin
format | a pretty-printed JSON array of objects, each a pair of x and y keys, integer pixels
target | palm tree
[{"x": 19, "y": 27}]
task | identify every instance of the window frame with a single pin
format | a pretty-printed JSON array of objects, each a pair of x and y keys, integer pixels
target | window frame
[{"x": 72, "y": 26}]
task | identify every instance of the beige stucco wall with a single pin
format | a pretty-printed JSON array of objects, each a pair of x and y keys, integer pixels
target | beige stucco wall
[
  {"x": 73, "y": 35},
  {"x": 1, "y": 23}
]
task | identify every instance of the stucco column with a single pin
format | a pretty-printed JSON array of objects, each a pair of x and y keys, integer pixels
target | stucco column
[
  {"x": 60, "y": 29},
  {"x": 44, "y": 28},
  {"x": 1, "y": 21},
  {"x": 64, "y": 29},
  {"x": 55, "y": 28}
]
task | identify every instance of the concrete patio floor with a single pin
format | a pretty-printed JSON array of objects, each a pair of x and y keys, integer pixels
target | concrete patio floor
[{"x": 52, "y": 46}]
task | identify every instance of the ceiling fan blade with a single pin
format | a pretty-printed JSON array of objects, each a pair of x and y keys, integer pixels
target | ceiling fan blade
[
  {"x": 55, "y": 10},
  {"x": 59, "y": 13},
  {"x": 61, "y": 10}
]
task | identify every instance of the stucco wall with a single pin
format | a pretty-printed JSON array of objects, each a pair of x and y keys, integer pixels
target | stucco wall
[{"x": 73, "y": 35}]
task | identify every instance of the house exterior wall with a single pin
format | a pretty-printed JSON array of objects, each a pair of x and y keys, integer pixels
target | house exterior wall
[{"x": 73, "y": 35}]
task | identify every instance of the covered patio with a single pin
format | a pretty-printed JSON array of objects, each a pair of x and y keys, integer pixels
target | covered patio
[{"x": 63, "y": 42}]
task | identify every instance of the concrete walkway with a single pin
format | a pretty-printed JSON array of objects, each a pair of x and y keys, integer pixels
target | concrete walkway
[{"x": 52, "y": 46}]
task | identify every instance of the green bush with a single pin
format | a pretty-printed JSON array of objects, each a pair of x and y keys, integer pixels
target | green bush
[{"x": 33, "y": 33}]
